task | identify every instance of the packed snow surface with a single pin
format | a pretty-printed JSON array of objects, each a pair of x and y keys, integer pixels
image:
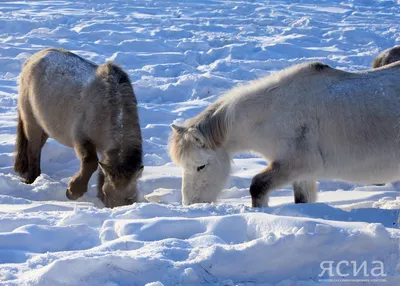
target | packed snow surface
[{"x": 181, "y": 55}]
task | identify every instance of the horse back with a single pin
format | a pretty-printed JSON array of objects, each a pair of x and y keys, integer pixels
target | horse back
[{"x": 52, "y": 82}]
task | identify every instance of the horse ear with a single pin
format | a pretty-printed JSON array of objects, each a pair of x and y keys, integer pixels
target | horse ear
[
  {"x": 105, "y": 168},
  {"x": 178, "y": 129},
  {"x": 197, "y": 139}
]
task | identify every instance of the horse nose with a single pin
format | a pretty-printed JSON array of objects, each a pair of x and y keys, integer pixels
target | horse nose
[{"x": 129, "y": 201}]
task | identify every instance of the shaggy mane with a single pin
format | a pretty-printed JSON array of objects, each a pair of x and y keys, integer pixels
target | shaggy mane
[
  {"x": 212, "y": 125},
  {"x": 119, "y": 93},
  {"x": 214, "y": 122}
]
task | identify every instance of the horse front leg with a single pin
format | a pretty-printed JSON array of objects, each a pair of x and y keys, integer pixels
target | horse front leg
[
  {"x": 78, "y": 185},
  {"x": 276, "y": 174},
  {"x": 100, "y": 183}
]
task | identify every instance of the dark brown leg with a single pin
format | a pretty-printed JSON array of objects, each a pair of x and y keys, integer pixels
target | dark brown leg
[
  {"x": 33, "y": 162},
  {"x": 30, "y": 140},
  {"x": 275, "y": 175},
  {"x": 78, "y": 185},
  {"x": 100, "y": 183},
  {"x": 36, "y": 139},
  {"x": 305, "y": 192}
]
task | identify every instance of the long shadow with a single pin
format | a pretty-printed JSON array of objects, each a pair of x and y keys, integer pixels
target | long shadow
[{"x": 388, "y": 218}]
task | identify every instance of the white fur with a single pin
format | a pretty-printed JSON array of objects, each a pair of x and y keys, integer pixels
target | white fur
[
  {"x": 322, "y": 123},
  {"x": 204, "y": 186}
]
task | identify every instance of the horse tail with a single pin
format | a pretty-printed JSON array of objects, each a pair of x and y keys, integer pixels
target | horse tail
[{"x": 21, "y": 149}]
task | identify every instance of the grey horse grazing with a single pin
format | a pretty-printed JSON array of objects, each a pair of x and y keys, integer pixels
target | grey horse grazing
[
  {"x": 387, "y": 57},
  {"x": 309, "y": 122},
  {"x": 87, "y": 107}
]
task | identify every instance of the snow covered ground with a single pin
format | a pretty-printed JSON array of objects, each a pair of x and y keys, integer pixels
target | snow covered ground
[{"x": 181, "y": 55}]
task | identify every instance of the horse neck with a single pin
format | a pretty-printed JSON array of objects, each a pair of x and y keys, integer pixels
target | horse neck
[
  {"x": 125, "y": 133},
  {"x": 130, "y": 140},
  {"x": 214, "y": 125},
  {"x": 119, "y": 156},
  {"x": 239, "y": 136}
]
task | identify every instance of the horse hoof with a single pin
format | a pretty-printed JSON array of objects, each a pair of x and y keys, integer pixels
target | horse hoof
[
  {"x": 28, "y": 181},
  {"x": 71, "y": 196}
]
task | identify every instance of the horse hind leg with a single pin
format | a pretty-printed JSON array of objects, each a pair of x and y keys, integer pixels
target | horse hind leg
[
  {"x": 36, "y": 138},
  {"x": 78, "y": 185},
  {"x": 21, "y": 149},
  {"x": 305, "y": 191}
]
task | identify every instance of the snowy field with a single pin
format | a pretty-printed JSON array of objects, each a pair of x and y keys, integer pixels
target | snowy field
[{"x": 181, "y": 55}]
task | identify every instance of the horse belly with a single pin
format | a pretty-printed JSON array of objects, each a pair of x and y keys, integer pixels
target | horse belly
[
  {"x": 372, "y": 173},
  {"x": 373, "y": 177},
  {"x": 56, "y": 119}
]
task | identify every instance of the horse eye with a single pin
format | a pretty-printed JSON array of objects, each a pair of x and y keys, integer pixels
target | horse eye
[{"x": 200, "y": 168}]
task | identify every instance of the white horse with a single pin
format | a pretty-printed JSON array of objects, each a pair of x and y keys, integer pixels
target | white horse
[{"x": 309, "y": 122}]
